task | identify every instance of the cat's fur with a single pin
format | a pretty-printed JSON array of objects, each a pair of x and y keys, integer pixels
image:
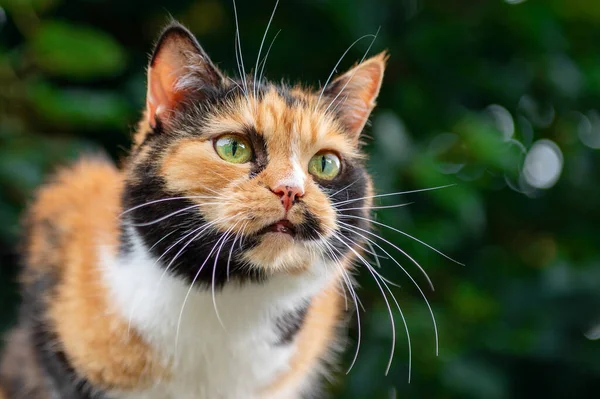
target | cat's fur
[{"x": 126, "y": 292}]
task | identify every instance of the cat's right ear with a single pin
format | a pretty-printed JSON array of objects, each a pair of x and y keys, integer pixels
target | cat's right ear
[{"x": 178, "y": 68}]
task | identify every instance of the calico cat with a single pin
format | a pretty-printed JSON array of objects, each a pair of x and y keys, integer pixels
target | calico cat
[{"x": 213, "y": 264}]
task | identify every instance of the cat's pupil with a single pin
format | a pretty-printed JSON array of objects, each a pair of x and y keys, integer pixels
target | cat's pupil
[
  {"x": 323, "y": 163},
  {"x": 234, "y": 147}
]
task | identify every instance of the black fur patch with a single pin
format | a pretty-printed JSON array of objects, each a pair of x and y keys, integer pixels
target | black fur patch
[
  {"x": 58, "y": 378},
  {"x": 310, "y": 229},
  {"x": 189, "y": 250},
  {"x": 350, "y": 185},
  {"x": 289, "y": 324},
  {"x": 261, "y": 154}
]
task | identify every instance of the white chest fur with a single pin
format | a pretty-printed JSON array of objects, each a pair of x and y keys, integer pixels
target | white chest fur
[{"x": 230, "y": 356}]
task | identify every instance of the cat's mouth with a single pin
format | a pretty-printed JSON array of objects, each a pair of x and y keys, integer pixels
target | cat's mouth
[{"x": 283, "y": 226}]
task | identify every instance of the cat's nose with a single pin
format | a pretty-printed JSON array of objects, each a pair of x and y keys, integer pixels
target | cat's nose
[{"x": 288, "y": 194}]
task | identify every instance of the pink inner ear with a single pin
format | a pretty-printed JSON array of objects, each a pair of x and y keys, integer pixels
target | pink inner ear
[
  {"x": 162, "y": 96},
  {"x": 371, "y": 75},
  {"x": 363, "y": 90}
]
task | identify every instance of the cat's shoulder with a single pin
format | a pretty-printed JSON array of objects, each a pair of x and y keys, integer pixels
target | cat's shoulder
[
  {"x": 78, "y": 203},
  {"x": 90, "y": 184}
]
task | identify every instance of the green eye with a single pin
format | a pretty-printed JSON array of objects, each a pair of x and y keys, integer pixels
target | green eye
[
  {"x": 234, "y": 149},
  {"x": 324, "y": 165}
]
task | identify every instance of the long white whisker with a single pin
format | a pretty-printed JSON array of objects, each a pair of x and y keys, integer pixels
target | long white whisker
[
  {"x": 353, "y": 73},
  {"x": 354, "y": 296},
  {"x": 264, "y": 61},
  {"x": 407, "y": 235},
  {"x": 375, "y": 207},
  {"x": 169, "y": 199},
  {"x": 239, "y": 48},
  {"x": 158, "y": 242},
  {"x": 356, "y": 244},
  {"x": 370, "y": 269},
  {"x": 350, "y": 227},
  {"x": 162, "y": 218},
  {"x": 202, "y": 229},
  {"x": 336, "y": 66},
  {"x": 376, "y": 255},
  {"x": 413, "y": 281},
  {"x": 325, "y": 248},
  {"x": 262, "y": 44},
  {"x": 342, "y": 189},
  {"x": 191, "y": 287},
  {"x": 390, "y": 194},
  {"x": 385, "y": 283},
  {"x": 235, "y": 238},
  {"x": 214, "y": 274}
]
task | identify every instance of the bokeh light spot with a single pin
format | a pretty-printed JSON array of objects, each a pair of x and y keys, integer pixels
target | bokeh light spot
[
  {"x": 543, "y": 164},
  {"x": 588, "y": 129},
  {"x": 503, "y": 120}
]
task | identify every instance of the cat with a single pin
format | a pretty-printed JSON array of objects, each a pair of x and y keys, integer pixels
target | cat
[{"x": 213, "y": 264}]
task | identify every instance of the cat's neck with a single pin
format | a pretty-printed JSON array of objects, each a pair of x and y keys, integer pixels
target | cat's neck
[{"x": 250, "y": 326}]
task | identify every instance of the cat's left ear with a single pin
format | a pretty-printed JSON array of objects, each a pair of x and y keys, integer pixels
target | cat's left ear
[
  {"x": 178, "y": 68},
  {"x": 354, "y": 93}
]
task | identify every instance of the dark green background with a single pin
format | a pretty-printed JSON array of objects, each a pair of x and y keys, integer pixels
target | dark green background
[{"x": 514, "y": 321}]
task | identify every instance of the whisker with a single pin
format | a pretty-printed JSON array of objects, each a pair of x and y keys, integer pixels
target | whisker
[
  {"x": 191, "y": 287},
  {"x": 375, "y": 253},
  {"x": 262, "y": 44},
  {"x": 322, "y": 245},
  {"x": 370, "y": 269},
  {"x": 407, "y": 235},
  {"x": 236, "y": 84},
  {"x": 356, "y": 244},
  {"x": 264, "y": 61},
  {"x": 237, "y": 235},
  {"x": 135, "y": 303},
  {"x": 353, "y": 73},
  {"x": 397, "y": 193},
  {"x": 343, "y": 188},
  {"x": 239, "y": 55},
  {"x": 354, "y": 296},
  {"x": 385, "y": 283},
  {"x": 204, "y": 227},
  {"x": 162, "y": 218},
  {"x": 350, "y": 227},
  {"x": 168, "y": 199},
  {"x": 337, "y": 65},
  {"x": 158, "y": 242},
  {"x": 375, "y": 207},
  {"x": 214, "y": 274},
  {"x": 413, "y": 281}
]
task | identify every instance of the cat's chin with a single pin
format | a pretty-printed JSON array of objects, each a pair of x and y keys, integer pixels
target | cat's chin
[{"x": 279, "y": 251}]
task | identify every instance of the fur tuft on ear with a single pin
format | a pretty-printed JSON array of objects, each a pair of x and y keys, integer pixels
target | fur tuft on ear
[
  {"x": 353, "y": 94},
  {"x": 178, "y": 67}
]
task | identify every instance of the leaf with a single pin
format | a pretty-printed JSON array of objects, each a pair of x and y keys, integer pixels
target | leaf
[
  {"x": 76, "y": 52},
  {"x": 78, "y": 108}
]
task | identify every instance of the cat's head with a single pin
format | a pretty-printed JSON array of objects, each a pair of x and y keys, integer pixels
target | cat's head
[{"x": 240, "y": 179}]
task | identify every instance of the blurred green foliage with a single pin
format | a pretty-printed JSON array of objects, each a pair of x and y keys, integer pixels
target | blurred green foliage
[{"x": 497, "y": 97}]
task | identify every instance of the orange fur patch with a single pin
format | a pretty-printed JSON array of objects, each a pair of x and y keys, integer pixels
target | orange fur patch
[{"x": 81, "y": 209}]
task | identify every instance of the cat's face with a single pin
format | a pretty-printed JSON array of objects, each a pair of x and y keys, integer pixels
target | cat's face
[{"x": 242, "y": 179}]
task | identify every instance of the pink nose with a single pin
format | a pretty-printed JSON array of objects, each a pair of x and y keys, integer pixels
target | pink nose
[{"x": 288, "y": 194}]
